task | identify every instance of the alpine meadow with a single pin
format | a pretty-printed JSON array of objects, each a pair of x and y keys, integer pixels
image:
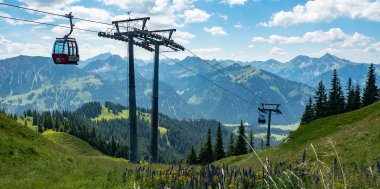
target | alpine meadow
[{"x": 190, "y": 94}]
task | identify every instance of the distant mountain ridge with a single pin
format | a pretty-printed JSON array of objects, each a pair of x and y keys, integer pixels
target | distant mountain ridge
[
  {"x": 310, "y": 71},
  {"x": 182, "y": 93}
]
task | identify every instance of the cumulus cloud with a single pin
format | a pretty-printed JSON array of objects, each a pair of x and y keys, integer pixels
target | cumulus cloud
[
  {"x": 196, "y": 15},
  {"x": 326, "y": 11},
  {"x": 373, "y": 48},
  {"x": 183, "y": 37},
  {"x": 164, "y": 13},
  {"x": 238, "y": 25},
  {"x": 234, "y": 2},
  {"x": 207, "y": 50},
  {"x": 137, "y": 5},
  {"x": 12, "y": 22},
  {"x": 179, "y": 5},
  {"x": 216, "y": 31},
  {"x": 332, "y": 36},
  {"x": 224, "y": 17},
  {"x": 48, "y": 4},
  {"x": 278, "y": 51},
  {"x": 10, "y": 48}
]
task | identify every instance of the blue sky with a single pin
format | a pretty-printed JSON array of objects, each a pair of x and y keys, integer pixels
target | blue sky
[{"x": 214, "y": 29}]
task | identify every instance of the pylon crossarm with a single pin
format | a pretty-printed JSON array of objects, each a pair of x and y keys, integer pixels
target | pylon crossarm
[
  {"x": 120, "y": 22},
  {"x": 168, "y": 30},
  {"x": 150, "y": 41},
  {"x": 153, "y": 38},
  {"x": 144, "y": 46}
]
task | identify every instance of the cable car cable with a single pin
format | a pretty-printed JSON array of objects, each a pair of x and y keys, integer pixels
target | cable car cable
[
  {"x": 49, "y": 24},
  {"x": 45, "y": 12},
  {"x": 44, "y": 23},
  {"x": 199, "y": 75},
  {"x": 220, "y": 71}
]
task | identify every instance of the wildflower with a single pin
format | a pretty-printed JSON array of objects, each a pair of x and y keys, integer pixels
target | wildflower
[
  {"x": 303, "y": 156},
  {"x": 335, "y": 164},
  {"x": 124, "y": 176}
]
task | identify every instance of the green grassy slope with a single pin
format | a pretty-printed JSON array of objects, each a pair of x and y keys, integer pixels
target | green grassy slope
[
  {"x": 71, "y": 144},
  {"x": 51, "y": 160},
  {"x": 107, "y": 115},
  {"x": 355, "y": 135}
]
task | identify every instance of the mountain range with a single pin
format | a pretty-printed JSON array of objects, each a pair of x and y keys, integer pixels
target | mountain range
[
  {"x": 36, "y": 83},
  {"x": 310, "y": 71}
]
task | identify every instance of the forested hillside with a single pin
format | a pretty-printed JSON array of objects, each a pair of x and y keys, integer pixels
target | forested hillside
[{"x": 110, "y": 134}]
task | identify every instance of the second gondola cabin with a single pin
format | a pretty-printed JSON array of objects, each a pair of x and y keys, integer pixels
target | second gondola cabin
[
  {"x": 261, "y": 119},
  {"x": 65, "y": 51}
]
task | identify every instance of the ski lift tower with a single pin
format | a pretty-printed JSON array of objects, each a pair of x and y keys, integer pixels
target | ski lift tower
[
  {"x": 269, "y": 108},
  {"x": 152, "y": 38},
  {"x": 124, "y": 31}
]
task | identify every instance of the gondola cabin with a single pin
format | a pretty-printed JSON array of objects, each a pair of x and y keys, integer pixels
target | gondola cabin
[
  {"x": 65, "y": 51},
  {"x": 261, "y": 119}
]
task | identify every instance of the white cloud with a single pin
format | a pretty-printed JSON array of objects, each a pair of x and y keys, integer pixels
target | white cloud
[
  {"x": 182, "y": 4},
  {"x": 164, "y": 13},
  {"x": 238, "y": 25},
  {"x": 196, "y": 15},
  {"x": 278, "y": 51},
  {"x": 13, "y": 22},
  {"x": 10, "y": 48},
  {"x": 326, "y": 11},
  {"x": 136, "y": 5},
  {"x": 375, "y": 48},
  {"x": 97, "y": 14},
  {"x": 90, "y": 13},
  {"x": 234, "y": 2},
  {"x": 46, "y": 18},
  {"x": 46, "y": 37},
  {"x": 207, "y": 50},
  {"x": 224, "y": 17},
  {"x": 216, "y": 31},
  {"x": 332, "y": 36},
  {"x": 182, "y": 37},
  {"x": 48, "y": 4},
  {"x": 259, "y": 40}
]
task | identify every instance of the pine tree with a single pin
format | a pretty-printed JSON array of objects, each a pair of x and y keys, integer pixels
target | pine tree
[
  {"x": 336, "y": 97},
  {"x": 350, "y": 96},
  {"x": 357, "y": 97},
  {"x": 320, "y": 101},
  {"x": 113, "y": 146},
  {"x": 56, "y": 124},
  {"x": 47, "y": 121},
  {"x": 206, "y": 154},
  {"x": 40, "y": 128},
  {"x": 371, "y": 92},
  {"x": 25, "y": 124},
  {"x": 218, "y": 148},
  {"x": 241, "y": 147},
  {"x": 251, "y": 143},
  {"x": 309, "y": 114},
  {"x": 34, "y": 119},
  {"x": 192, "y": 157},
  {"x": 231, "y": 145}
]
